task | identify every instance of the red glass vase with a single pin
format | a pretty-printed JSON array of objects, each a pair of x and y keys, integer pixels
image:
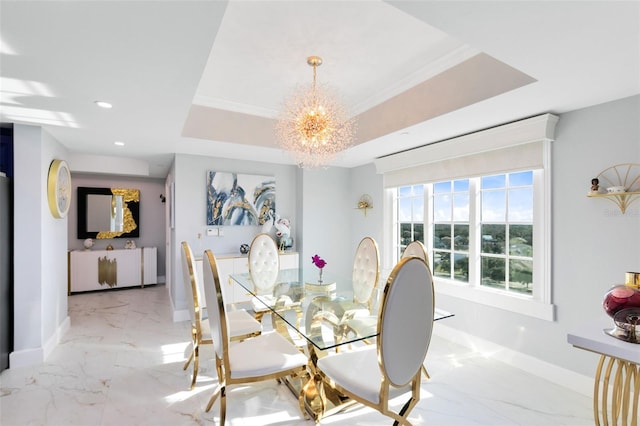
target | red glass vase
[{"x": 622, "y": 303}]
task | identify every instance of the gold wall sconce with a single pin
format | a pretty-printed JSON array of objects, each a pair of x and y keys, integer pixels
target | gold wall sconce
[{"x": 365, "y": 202}]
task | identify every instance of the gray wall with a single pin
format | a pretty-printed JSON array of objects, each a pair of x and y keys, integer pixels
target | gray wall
[
  {"x": 593, "y": 244},
  {"x": 152, "y": 213}
]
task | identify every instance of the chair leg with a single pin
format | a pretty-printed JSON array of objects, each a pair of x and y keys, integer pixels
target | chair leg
[
  {"x": 425, "y": 372},
  {"x": 258, "y": 315},
  {"x": 194, "y": 342},
  {"x": 219, "y": 370},
  {"x": 218, "y": 392},
  {"x": 196, "y": 363},
  {"x": 223, "y": 405},
  {"x": 401, "y": 417},
  {"x": 186, "y": 364}
]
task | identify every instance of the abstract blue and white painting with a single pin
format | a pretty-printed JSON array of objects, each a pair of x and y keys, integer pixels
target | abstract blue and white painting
[{"x": 240, "y": 199}]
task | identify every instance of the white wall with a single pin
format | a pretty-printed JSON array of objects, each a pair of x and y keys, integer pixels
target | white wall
[
  {"x": 593, "y": 244},
  {"x": 152, "y": 213},
  {"x": 40, "y": 246},
  {"x": 325, "y": 212},
  {"x": 363, "y": 180}
]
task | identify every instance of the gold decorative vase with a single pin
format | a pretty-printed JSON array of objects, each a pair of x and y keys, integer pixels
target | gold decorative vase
[{"x": 632, "y": 279}]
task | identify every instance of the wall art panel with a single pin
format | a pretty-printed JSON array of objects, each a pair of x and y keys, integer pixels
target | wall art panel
[{"x": 240, "y": 199}]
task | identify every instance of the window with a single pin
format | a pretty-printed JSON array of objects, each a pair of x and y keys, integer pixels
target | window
[
  {"x": 481, "y": 205},
  {"x": 450, "y": 241},
  {"x": 506, "y": 232},
  {"x": 480, "y": 230}
]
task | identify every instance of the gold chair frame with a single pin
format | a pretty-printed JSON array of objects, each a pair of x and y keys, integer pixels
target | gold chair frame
[
  {"x": 198, "y": 317},
  {"x": 223, "y": 366},
  {"x": 196, "y": 320}
]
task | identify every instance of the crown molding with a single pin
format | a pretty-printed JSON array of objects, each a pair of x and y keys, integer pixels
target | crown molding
[{"x": 420, "y": 75}]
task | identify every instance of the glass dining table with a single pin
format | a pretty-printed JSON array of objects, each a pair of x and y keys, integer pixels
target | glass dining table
[{"x": 317, "y": 317}]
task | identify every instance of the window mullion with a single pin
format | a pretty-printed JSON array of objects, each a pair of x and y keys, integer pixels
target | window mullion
[
  {"x": 428, "y": 221},
  {"x": 474, "y": 232}
]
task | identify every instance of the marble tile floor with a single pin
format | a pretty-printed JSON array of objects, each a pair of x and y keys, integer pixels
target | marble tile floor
[{"x": 121, "y": 361}]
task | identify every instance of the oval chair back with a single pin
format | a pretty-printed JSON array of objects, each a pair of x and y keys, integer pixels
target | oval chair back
[
  {"x": 264, "y": 263},
  {"x": 402, "y": 347},
  {"x": 366, "y": 271}
]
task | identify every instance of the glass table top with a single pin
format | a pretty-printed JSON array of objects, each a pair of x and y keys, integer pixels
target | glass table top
[{"x": 320, "y": 312}]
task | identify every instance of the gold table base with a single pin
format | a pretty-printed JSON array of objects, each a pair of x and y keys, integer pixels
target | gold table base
[
  {"x": 624, "y": 380},
  {"x": 316, "y": 398}
]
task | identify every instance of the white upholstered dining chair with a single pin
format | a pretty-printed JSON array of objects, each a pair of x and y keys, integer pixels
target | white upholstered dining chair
[
  {"x": 364, "y": 280},
  {"x": 264, "y": 357},
  {"x": 375, "y": 374},
  {"x": 417, "y": 249},
  {"x": 365, "y": 324},
  {"x": 366, "y": 271},
  {"x": 264, "y": 265},
  {"x": 242, "y": 325}
]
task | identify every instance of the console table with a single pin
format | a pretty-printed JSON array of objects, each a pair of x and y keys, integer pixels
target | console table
[
  {"x": 105, "y": 269},
  {"x": 617, "y": 381}
]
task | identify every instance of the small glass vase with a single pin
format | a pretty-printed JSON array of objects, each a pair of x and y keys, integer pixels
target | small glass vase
[
  {"x": 622, "y": 303},
  {"x": 320, "y": 277}
]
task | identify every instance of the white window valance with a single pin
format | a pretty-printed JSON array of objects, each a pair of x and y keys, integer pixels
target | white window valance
[{"x": 515, "y": 146}]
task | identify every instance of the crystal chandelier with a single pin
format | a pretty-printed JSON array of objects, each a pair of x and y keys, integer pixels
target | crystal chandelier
[{"x": 314, "y": 126}]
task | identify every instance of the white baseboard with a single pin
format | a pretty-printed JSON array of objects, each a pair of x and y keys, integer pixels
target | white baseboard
[
  {"x": 561, "y": 376},
  {"x": 180, "y": 315},
  {"x": 26, "y": 357},
  {"x": 39, "y": 355},
  {"x": 53, "y": 341}
]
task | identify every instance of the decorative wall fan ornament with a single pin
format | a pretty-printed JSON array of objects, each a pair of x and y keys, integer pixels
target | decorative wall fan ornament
[{"x": 365, "y": 202}]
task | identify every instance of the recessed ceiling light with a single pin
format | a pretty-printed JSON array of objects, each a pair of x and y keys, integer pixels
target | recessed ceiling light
[
  {"x": 118, "y": 143},
  {"x": 103, "y": 104}
]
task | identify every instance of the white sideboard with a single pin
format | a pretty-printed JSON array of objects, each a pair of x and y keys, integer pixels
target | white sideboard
[
  {"x": 229, "y": 264},
  {"x": 149, "y": 265},
  {"x": 105, "y": 269}
]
